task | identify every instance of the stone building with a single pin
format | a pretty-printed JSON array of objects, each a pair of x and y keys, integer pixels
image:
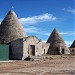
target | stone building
[
  {"x": 28, "y": 46},
  {"x": 57, "y": 44},
  {"x": 10, "y": 28},
  {"x": 34, "y": 46},
  {"x": 12, "y": 33},
  {"x": 72, "y": 48},
  {"x": 21, "y": 47}
]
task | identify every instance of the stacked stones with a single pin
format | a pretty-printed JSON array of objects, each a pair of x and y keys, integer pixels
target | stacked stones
[
  {"x": 10, "y": 28},
  {"x": 55, "y": 39}
]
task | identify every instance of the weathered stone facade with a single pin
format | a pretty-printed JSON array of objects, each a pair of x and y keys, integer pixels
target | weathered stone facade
[
  {"x": 29, "y": 46},
  {"x": 16, "y": 50},
  {"x": 64, "y": 50},
  {"x": 72, "y": 51},
  {"x": 45, "y": 47},
  {"x": 32, "y": 46},
  {"x": 72, "y": 48},
  {"x": 21, "y": 47},
  {"x": 57, "y": 44}
]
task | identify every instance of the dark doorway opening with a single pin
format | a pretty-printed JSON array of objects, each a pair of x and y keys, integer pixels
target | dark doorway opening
[
  {"x": 57, "y": 51},
  {"x": 32, "y": 50},
  {"x": 44, "y": 51},
  {"x": 63, "y": 51}
]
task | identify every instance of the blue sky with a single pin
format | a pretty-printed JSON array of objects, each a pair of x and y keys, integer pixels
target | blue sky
[{"x": 40, "y": 17}]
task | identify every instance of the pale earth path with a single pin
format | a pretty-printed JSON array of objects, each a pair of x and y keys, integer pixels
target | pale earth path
[{"x": 55, "y": 66}]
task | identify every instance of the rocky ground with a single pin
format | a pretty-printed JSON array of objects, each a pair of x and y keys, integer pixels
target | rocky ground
[{"x": 51, "y": 65}]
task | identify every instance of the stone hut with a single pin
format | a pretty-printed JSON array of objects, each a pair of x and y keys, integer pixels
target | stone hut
[
  {"x": 72, "y": 48},
  {"x": 57, "y": 44},
  {"x": 10, "y": 28},
  {"x": 29, "y": 46},
  {"x": 21, "y": 47}
]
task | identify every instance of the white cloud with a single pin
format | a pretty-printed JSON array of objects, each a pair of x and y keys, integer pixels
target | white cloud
[
  {"x": 73, "y": 33},
  {"x": 68, "y": 33},
  {"x": 44, "y": 41},
  {"x": 68, "y": 43},
  {"x": 61, "y": 33},
  {"x": 70, "y": 10},
  {"x": 31, "y": 29},
  {"x": 36, "y": 19},
  {"x": 47, "y": 34}
]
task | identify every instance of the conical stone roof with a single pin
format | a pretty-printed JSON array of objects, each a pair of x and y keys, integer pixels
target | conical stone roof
[
  {"x": 55, "y": 39},
  {"x": 10, "y": 28},
  {"x": 73, "y": 45}
]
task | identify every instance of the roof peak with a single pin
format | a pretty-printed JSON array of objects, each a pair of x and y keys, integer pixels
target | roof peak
[
  {"x": 73, "y": 44},
  {"x": 11, "y": 12},
  {"x": 55, "y": 30}
]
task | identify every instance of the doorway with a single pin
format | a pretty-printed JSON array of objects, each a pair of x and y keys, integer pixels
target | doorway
[
  {"x": 32, "y": 50},
  {"x": 63, "y": 51},
  {"x": 44, "y": 51}
]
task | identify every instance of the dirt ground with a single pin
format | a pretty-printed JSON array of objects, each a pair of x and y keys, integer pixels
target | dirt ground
[{"x": 50, "y": 65}]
